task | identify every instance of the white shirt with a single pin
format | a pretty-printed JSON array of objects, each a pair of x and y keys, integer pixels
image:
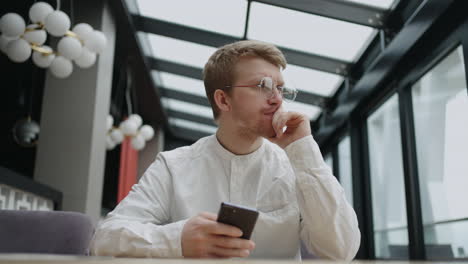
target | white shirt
[{"x": 294, "y": 190}]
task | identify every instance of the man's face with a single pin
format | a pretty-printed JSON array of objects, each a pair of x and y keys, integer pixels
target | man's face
[{"x": 252, "y": 110}]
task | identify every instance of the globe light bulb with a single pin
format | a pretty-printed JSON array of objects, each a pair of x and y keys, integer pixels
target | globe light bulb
[
  {"x": 96, "y": 41},
  {"x": 57, "y": 23},
  {"x": 128, "y": 127},
  {"x": 18, "y": 50},
  {"x": 117, "y": 136},
  {"x": 137, "y": 119},
  {"x": 4, "y": 43},
  {"x": 35, "y": 36},
  {"x": 86, "y": 59},
  {"x": 147, "y": 132},
  {"x": 69, "y": 47},
  {"x": 12, "y": 25},
  {"x": 43, "y": 60},
  {"x": 61, "y": 67},
  {"x": 82, "y": 30},
  {"x": 39, "y": 11},
  {"x": 109, "y": 143},
  {"x": 109, "y": 122},
  {"x": 138, "y": 142}
]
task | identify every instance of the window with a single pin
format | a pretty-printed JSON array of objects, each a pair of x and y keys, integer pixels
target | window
[
  {"x": 440, "y": 104},
  {"x": 324, "y": 36},
  {"x": 222, "y": 16},
  {"x": 344, "y": 162},
  {"x": 387, "y": 181},
  {"x": 329, "y": 160}
]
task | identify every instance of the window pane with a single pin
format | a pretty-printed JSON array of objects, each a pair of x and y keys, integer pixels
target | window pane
[
  {"x": 310, "y": 111},
  {"x": 181, "y": 83},
  {"x": 440, "y": 104},
  {"x": 387, "y": 181},
  {"x": 344, "y": 155},
  {"x": 318, "y": 35},
  {"x": 185, "y": 107},
  {"x": 313, "y": 81},
  {"x": 182, "y": 123},
  {"x": 222, "y": 16},
  {"x": 384, "y": 4},
  {"x": 329, "y": 160},
  {"x": 180, "y": 51}
]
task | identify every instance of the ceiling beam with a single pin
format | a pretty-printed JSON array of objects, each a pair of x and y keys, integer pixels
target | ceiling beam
[
  {"x": 196, "y": 73},
  {"x": 172, "y": 30},
  {"x": 186, "y": 97},
  {"x": 176, "y": 68},
  {"x": 336, "y": 9}
]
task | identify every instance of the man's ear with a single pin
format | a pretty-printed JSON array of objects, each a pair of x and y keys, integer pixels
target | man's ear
[{"x": 222, "y": 100}]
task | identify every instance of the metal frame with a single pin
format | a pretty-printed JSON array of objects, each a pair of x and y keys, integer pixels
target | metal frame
[
  {"x": 196, "y": 73},
  {"x": 362, "y": 195},
  {"x": 186, "y": 97},
  {"x": 416, "y": 247},
  {"x": 421, "y": 22},
  {"x": 176, "y": 68},
  {"x": 204, "y": 37},
  {"x": 341, "y": 10}
]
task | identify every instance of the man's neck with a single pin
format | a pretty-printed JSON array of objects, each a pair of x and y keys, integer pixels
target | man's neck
[{"x": 236, "y": 142}]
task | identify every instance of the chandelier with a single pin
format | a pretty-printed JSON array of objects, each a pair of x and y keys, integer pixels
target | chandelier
[{"x": 79, "y": 45}]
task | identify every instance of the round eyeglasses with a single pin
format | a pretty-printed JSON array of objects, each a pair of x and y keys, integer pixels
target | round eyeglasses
[{"x": 268, "y": 86}]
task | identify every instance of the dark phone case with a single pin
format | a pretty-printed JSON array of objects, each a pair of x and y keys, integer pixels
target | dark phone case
[{"x": 241, "y": 217}]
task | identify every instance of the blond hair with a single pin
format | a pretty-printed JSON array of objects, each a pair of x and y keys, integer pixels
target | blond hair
[{"x": 218, "y": 71}]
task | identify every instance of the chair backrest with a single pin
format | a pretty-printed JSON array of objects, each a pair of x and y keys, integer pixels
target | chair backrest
[{"x": 51, "y": 232}]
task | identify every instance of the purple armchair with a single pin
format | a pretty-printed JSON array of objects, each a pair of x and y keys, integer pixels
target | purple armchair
[{"x": 56, "y": 232}]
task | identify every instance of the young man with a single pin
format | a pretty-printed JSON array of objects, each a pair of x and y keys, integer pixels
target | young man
[{"x": 251, "y": 161}]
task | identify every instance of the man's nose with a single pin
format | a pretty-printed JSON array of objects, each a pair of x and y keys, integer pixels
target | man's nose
[{"x": 276, "y": 98}]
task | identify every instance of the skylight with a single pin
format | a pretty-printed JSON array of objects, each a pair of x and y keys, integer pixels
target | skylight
[
  {"x": 182, "y": 123},
  {"x": 222, "y": 16},
  {"x": 182, "y": 83},
  {"x": 180, "y": 51},
  {"x": 313, "y": 81},
  {"x": 317, "y": 35},
  {"x": 310, "y": 111},
  {"x": 184, "y": 107},
  {"x": 383, "y": 4}
]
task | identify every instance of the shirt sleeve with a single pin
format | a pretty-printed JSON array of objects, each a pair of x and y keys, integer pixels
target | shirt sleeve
[
  {"x": 137, "y": 226},
  {"x": 329, "y": 226}
]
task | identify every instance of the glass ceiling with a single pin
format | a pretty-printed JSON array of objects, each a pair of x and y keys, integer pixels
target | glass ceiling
[
  {"x": 221, "y": 16},
  {"x": 383, "y": 4},
  {"x": 323, "y": 36},
  {"x": 307, "y": 33},
  {"x": 180, "y": 51}
]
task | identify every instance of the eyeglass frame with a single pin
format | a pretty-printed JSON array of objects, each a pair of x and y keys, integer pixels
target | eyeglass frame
[{"x": 278, "y": 88}]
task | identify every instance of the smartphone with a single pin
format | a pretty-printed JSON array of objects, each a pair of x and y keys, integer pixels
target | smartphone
[{"x": 239, "y": 216}]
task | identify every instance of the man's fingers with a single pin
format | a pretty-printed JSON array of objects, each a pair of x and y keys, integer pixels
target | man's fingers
[
  {"x": 230, "y": 253},
  {"x": 209, "y": 216},
  {"x": 230, "y": 242},
  {"x": 216, "y": 228}
]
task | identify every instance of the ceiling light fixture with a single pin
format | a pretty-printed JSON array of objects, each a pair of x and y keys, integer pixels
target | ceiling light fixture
[{"x": 79, "y": 45}]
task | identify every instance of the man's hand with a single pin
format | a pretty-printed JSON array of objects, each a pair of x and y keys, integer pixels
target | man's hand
[
  {"x": 297, "y": 126},
  {"x": 203, "y": 237}
]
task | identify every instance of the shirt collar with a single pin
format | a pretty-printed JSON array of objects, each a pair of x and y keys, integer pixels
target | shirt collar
[{"x": 227, "y": 155}]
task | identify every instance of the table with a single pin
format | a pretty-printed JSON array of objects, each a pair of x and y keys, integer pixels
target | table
[{"x": 52, "y": 259}]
